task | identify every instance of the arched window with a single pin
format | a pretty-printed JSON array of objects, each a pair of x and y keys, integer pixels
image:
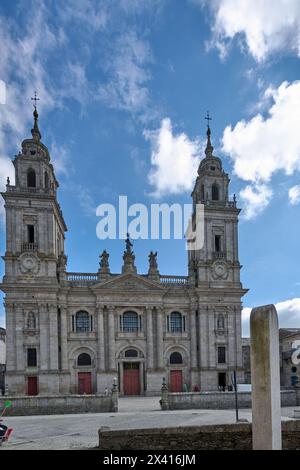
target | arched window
[
  {"x": 31, "y": 321},
  {"x": 130, "y": 321},
  {"x": 31, "y": 179},
  {"x": 84, "y": 359},
  {"x": 131, "y": 353},
  {"x": 215, "y": 192},
  {"x": 46, "y": 180},
  {"x": 176, "y": 358},
  {"x": 176, "y": 322},
  {"x": 82, "y": 322}
]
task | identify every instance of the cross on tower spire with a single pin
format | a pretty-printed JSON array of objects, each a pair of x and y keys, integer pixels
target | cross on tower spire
[
  {"x": 209, "y": 147},
  {"x": 208, "y": 118},
  {"x": 35, "y": 130},
  {"x": 35, "y": 99}
]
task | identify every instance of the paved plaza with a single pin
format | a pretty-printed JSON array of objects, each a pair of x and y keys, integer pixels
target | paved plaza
[{"x": 81, "y": 430}]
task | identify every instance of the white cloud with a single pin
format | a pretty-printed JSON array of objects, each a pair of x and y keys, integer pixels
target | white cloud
[
  {"x": 25, "y": 52},
  {"x": 264, "y": 27},
  {"x": 263, "y": 146},
  {"x": 175, "y": 159},
  {"x": 127, "y": 76},
  {"x": 89, "y": 14},
  {"x": 288, "y": 315},
  {"x": 294, "y": 195},
  {"x": 60, "y": 158},
  {"x": 255, "y": 198}
]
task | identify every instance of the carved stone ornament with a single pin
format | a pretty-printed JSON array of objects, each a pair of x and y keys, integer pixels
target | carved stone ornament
[
  {"x": 219, "y": 270},
  {"x": 29, "y": 263}
]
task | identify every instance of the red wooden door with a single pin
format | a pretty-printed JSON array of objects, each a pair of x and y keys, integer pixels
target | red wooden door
[
  {"x": 131, "y": 379},
  {"x": 32, "y": 386},
  {"x": 176, "y": 381},
  {"x": 84, "y": 383}
]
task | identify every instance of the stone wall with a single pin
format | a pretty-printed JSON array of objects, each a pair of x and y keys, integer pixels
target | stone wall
[
  {"x": 222, "y": 437},
  {"x": 217, "y": 400},
  {"x": 47, "y": 405}
]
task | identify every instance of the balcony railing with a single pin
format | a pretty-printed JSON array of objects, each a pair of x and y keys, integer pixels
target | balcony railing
[
  {"x": 21, "y": 189},
  {"x": 82, "y": 277},
  {"x": 87, "y": 278},
  {"x": 219, "y": 254},
  {"x": 177, "y": 280},
  {"x": 29, "y": 246}
]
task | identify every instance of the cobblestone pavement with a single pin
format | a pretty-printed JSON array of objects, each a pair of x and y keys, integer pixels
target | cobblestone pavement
[{"x": 81, "y": 430}]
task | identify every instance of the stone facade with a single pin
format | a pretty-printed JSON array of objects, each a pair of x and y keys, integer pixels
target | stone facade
[
  {"x": 289, "y": 372},
  {"x": 2, "y": 359},
  {"x": 71, "y": 333},
  {"x": 246, "y": 360}
]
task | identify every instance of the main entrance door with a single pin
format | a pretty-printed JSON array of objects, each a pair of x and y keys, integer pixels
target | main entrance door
[
  {"x": 32, "y": 386},
  {"x": 84, "y": 383},
  {"x": 131, "y": 378},
  {"x": 176, "y": 381}
]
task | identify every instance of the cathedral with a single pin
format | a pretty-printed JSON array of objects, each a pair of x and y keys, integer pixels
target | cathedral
[{"x": 77, "y": 333}]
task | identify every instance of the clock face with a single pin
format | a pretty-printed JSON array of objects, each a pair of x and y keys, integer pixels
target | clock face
[
  {"x": 219, "y": 270},
  {"x": 29, "y": 263}
]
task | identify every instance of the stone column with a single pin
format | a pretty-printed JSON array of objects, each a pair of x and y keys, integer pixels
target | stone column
[
  {"x": 111, "y": 338},
  {"x": 235, "y": 241},
  {"x": 160, "y": 341},
  {"x": 210, "y": 335},
  {"x": 43, "y": 323},
  {"x": 10, "y": 338},
  {"x": 101, "y": 354},
  {"x": 193, "y": 334},
  {"x": 20, "y": 351},
  {"x": 64, "y": 338},
  {"x": 149, "y": 338},
  {"x": 231, "y": 338},
  {"x": 265, "y": 378},
  {"x": 141, "y": 377},
  {"x": 203, "y": 338},
  {"x": 53, "y": 334},
  {"x": 121, "y": 384}
]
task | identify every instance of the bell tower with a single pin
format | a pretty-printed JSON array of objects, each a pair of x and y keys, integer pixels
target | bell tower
[
  {"x": 217, "y": 263},
  {"x": 34, "y": 264},
  {"x": 35, "y": 226}
]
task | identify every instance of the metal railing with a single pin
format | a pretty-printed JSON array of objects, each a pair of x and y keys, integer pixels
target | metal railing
[{"x": 29, "y": 246}]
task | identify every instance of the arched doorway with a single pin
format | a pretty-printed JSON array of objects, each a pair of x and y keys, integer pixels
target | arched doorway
[
  {"x": 176, "y": 379},
  {"x": 84, "y": 378},
  {"x": 131, "y": 371}
]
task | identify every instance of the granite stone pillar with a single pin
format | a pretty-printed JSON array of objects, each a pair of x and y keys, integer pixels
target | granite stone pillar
[{"x": 265, "y": 378}]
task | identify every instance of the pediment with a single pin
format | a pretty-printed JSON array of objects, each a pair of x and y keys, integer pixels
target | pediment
[{"x": 128, "y": 281}]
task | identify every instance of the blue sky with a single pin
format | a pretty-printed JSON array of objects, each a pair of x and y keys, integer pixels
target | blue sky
[{"x": 124, "y": 86}]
